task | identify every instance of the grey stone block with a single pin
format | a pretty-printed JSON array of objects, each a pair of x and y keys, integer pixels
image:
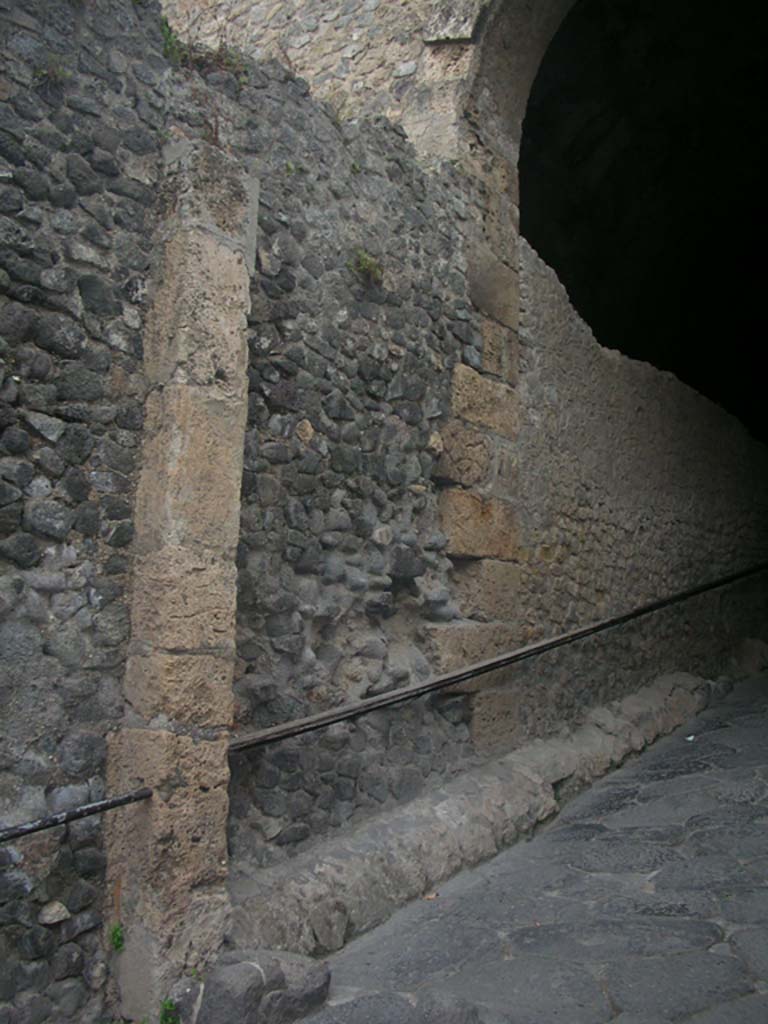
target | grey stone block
[{"x": 232, "y": 992}]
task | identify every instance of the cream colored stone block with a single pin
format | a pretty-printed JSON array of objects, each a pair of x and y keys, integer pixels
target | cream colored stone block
[
  {"x": 184, "y": 601},
  {"x": 189, "y": 488},
  {"x": 506, "y": 483},
  {"x": 494, "y": 287},
  {"x": 196, "y": 332},
  {"x": 488, "y": 590},
  {"x": 484, "y": 402},
  {"x": 458, "y": 645},
  {"x": 466, "y": 457},
  {"x": 478, "y": 527},
  {"x": 185, "y": 818},
  {"x": 192, "y": 689}
]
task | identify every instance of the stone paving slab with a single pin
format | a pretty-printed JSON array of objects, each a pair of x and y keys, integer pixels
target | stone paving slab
[{"x": 646, "y": 902}]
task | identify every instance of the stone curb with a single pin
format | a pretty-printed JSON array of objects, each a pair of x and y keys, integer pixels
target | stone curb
[{"x": 316, "y": 902}]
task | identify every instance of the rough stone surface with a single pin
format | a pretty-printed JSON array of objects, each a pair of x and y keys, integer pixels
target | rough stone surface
[
  {"x": 539, "y": 934},
  {"x": 385, "y": 48},
  {"x": 488, "y": 590},
  {"x": 75, "y": 251},
  {"x": 174, "y": 906},
  {"x": 254, "y": 986},
  {"x": 485, "y": 402},
  {"x": 316, "y": 902},
  {"x": 479, "y": 527}
]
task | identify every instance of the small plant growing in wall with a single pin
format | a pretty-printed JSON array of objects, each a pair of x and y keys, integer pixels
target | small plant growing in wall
[
  {"x": 174, "y": 50},
  {"x": 200, "y": 58},
  {"x": 169, "y": 1013},
  {"x": 367, "y": 267},
  {"x": 117, "y": 938}
]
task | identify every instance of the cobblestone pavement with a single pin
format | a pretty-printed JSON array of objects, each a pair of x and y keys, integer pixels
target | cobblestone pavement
[{"x": 645, "y": 901}]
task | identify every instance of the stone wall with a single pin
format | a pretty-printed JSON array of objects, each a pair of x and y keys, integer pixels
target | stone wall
[
  {"x": 439, "y": 463},
  {"x": 360, "y": 317},
  {"x": 541, "y": 490},
  {"x": 89, "y": 106},
  {"x": 78, "y": 162},
  {"x": 652, "y": 483},
  {"x": 408, "y": 60}
]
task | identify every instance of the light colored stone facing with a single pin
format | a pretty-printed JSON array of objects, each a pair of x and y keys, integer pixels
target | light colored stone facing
[
  {"x": 167, "y": 858},
  {"x": 421, "y": 63},
  {"x": 410, "y": 60},
  {"x": 484, "y": 402},
  {"x": 185, "y": 602},
  {"x": 189, "y": 463},
  {"x": 186, "y": 688},
  {"x": 494, "y": 287},
  {"x": 319, "y": 900},
  {"x": 467, "y": 455},
  {"x": 488, "y": 590},
  {"x": 631, "y": 486},
  {"x": 456, "y": 645},
  {"x": 478, "y": 527},
  {"x": 204, "y": 298}
]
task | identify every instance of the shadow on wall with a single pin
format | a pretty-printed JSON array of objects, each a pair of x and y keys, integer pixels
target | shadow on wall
[{"x": 638, "y": 181}]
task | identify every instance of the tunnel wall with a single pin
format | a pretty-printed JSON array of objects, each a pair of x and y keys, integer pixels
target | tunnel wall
[{"x": 630, "y": 487}]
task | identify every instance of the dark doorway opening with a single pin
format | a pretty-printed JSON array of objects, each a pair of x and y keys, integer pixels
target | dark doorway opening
[{"x": 640, "y": 185}]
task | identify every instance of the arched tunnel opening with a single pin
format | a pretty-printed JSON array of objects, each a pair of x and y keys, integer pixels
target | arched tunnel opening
[{"x": 639, "y": 185}]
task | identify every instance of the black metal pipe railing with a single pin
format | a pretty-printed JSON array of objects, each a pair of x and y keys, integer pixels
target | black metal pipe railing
[
  {"x": 347, "y": 712},
  {"x": 299, "y": 726},
  {"x": 64, "y": 817}
]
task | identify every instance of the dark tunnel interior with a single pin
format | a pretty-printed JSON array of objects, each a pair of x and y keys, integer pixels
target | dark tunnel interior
[{"x": 640, "y": 185}]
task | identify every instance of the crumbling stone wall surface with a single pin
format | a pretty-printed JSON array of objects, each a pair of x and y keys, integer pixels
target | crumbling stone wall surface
[
  {"x": 615, "y": 507},
  {"x": 626, "y": 436},
  {"x": 78, "y": 163},
  {"x": 409, "y": 60}
]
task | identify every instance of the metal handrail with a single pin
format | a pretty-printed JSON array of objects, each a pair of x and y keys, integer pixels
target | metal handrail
[
  {"x": 345, "y": 712},
  {"x": 63, "y": 817},
  {"x": 350, "y": 711}
]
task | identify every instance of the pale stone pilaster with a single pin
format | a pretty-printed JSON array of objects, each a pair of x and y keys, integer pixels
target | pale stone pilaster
[{"x": 167, "y": 858}]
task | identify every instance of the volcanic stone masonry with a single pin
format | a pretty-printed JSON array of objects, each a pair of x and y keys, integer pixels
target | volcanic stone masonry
[{"x": 438, "y": 463}]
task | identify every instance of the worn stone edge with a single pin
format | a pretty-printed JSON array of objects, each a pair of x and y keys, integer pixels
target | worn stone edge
[{"x": 346, "y": 885}]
